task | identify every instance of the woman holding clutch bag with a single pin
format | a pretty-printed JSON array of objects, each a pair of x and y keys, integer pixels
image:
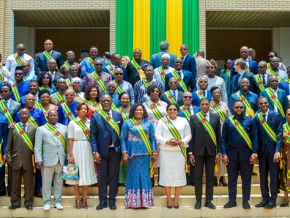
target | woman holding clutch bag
[{"x": 80, "y": 153}]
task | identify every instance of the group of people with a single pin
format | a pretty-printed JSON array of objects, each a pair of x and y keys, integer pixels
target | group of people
[{"x": 173, "y": 119}]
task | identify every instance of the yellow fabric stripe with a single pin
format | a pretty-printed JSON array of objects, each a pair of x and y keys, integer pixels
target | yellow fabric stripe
[
  {"x": 141, "y": 27},
  {"x": 174, "y": 25}
]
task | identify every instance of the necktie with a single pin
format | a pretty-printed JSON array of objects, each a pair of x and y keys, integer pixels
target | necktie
[
  {"x": 24, "y": 127},
  {"x": 264, "y": 82},
  {"x": 174, "y": 95},
  {"x": 179, "y": 73},
  {"x": 203, "y": 93},
  {"x": 182, "y": 58},
  {"x": 188, "y": 108},
  {"x": 264, "y": 116}
]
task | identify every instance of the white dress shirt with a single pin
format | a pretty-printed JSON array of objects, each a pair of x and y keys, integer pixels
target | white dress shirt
[
  {"x": 26, "y": 127},
  {"x": 276, "y": 94},
  {"x": 176, "y": 93}
]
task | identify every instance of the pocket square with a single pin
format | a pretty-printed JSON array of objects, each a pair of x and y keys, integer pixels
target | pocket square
[{"x": 118, "y": 122}]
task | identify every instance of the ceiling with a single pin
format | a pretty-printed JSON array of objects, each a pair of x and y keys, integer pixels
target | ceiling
[
  {"x": 246, "y": 19},
  {"x": 62, "y": 18}
]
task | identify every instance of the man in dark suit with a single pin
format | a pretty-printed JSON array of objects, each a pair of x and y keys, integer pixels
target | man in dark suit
[
  {"x": 285, "y": 84},
  {"x": 19, "y": 157},
  {"x": 270, "y": 142},
  {"x": 189, "y": 63},
  {"x": 251, "y": 66},
  {"x": 107, "y": 150},
  {"x": 204, "y": 150},
  {"x": 262, "y": 79},
  {"x": 115, "y": 63},
  {"x": 173, "y": 95},
  {"x": 239, "y": 153},
  {"x": 156, "y": 58},
  {"x": 202, "y": 92},
  {"x": 53, "y": 72},
  {"x": 42, "y": 58},
  {"x": 240, "y": 67}
]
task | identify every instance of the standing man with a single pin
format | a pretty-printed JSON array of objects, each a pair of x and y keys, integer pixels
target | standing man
[
  {"x": 115, "y": 63},
  {"x": 239, "y": 153},
  {"x": 160, "y": 72},
  {"x": 173, "y": 95},
  {"x": 189, "y": 63},
  {"x": 134, "y": 68},
  {"x": 28, "y": 74},
  {"x": 42, "y": 58},
  {"x": 52, "y": 71},
  {"x": 87, "y": 64},
  {"x": 275, "y": 71},
  {"x": 285, "y": 85},
  {"x": 16, "y": 59},
  {"x": 105, "y": 132},
  {"x": 202, "y": 92},
  {"x": 33, "y": 89},
  {"x": 276, "y": 97},
  {"x": 112, "y": 91},
  {"x": 20, "y": 148},
  {"x": 252, "y": 54},
  {"x": 261, "y": 79},
  {"x": 204, "y": 150},
  {"x": 50, "y": 153},
  {"x": 201, "y": 63},
  {"x": 19, "y": 87},
  {"x": 3, "y": 140},
  {"x": 61, "y": 85},
  {"x": 70, "y": 61},
  {"x": 270, "y": 135},
  {"x": 187, "y": 109},
  {"x": 74, "y": 73},
  {"x": 156, "y": 58}
]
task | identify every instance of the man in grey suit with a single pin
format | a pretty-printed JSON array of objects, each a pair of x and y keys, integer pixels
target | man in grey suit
[
  {"x": 173, "y": 94},
  {"x": 156, "y": 58},
  {"x": 50, "y": 152},
  {"x": 204, "y": 149},
  {"x": 12, "y": 107}
]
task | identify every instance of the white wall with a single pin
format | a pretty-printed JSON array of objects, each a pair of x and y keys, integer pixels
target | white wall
[
  {"x": 281, "y": 43},
  {"x": 25, "y": 35}
]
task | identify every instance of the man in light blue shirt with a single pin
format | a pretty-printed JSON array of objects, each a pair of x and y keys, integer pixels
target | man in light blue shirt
[
  {"x": 87, "y": 64},
  {"x": 275, "y": 69}
]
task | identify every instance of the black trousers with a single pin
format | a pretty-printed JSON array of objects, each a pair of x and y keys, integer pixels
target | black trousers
[
  {"x": 266, "y": 167},
  {"x": 109, "y": 169},
  {"x": 209, "y": 162}
]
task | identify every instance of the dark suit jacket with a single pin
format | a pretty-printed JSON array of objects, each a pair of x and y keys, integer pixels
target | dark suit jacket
[
  {"x": 201, "y": 140},
  {"x": 266, "y": 144},
  {"x": 132, "y": 73},
  {"x": 105, "y": 69},
  {"x": 187, "y": 79},
  {"x": 252, "y": 65},
  {"x": 17, "y": 151},
  {"x": 100, "y": 133},
  {"x": 57, "y": 76},
  {"x": 195, "y": 111},
  {"x": 285, "y": 86},
  {"x": 41, "y": 61},
  {"x": 196, "y": 99},
  {"x": 189, "y": 64},
  {"x": 156, "y": 59},
  {"x": 235, "y": 86},
  {"x": 179, "y": 98},
  {"x": 266, "y": 86}
]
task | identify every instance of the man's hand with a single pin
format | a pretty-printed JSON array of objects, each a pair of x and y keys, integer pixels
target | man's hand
[
  {"x": 38, "y": 165},
  {"x": 11, "y": 126},
  {"x": 225, "y": 159},
  {"x": 4, "y": 158},
  {"x": 253, "y": 158},
  {"x": 97, "y": 157},
  {"x": 191, "y": 159},
  {"x": 276, "y": 156},
  {"x": 10, "y": 163},
  {"x": 154, "y": 157}
]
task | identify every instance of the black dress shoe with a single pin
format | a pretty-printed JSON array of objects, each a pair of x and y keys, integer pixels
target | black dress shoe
[
  {"x": 209, "y": 205},
  {"x": 3, "y": 193},
  {"x": 222, "y": 181},
  {"x": 37, "y": 194},
  {"x": 284, "y": 205},
  {"x": 230, "y": 204},
  {"x": 9, "y": 194},
  {"x": 246, "y": 205},
  {"x": 197, "y": 205},
  {"x": 112, "y": 206},
  {"x": 29, "y": 207},
  {"x": 102, "y": 205},
  {"x": 262, "y": 204},
  {"x": 13, "y": 207},
  {"x": 270, "y": 205}
]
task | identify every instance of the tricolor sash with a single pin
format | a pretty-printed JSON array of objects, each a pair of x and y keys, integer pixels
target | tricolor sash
[
  {"x": 78, "y": 98},
  {"x": 249, "y": 110},
  {"x": 176, "y": 135},
  {"x": 185, "y": 112},
  {"x": 24, "y": 136},
  {"x": 267, "y": 127},
  {"x": 138, "y": 68},
  {"x": 247, "y": 68},
  {"x": 32, "y": 120},
  {"x": 287, "y": 80},
  {"x": 99, "y": 81},
  {"x": 207, "y": 127},
  {"x": 124, "y": 116},
  {"x": 228, "y": 72},
  {"x": 6, "y": 112},
  {"x": 118, "y": 88},
  {"x": 94, "y": 105},
  {"x": 111, "y": 69},
  {"x": 114, "y": 107},
  {"x": 67, "y": 65},
  {"x": 219, "y": 111},
  {"x": 91, "y": 61},
  {"x": 64, "y": 106},
  {"x": 170, "y": 97},
  {"x": 17, "y": 59},
  {"x": 41, "y": 88},
  {"x": 286, "y": 128},
  {"x": 180, "y": 81},
  {"x": 199, "y": 94},
  {"x": 39, "y": 106},
  {"x": 273, "y": 73},
  {"x": 259, "y": 82},
  {"x": 110, "y": 121},
  {"x": 268, "y": 65},
  {"x": 68, "y": 83},
  {"x": 145, "y": 83},
  {"x": 154, "y": 110},
  {"x": 48, "y": 56},
  {"x": 56, "y": 133},
  {"x": 241, "y": 131},
  {"x": 85, "y": 129},
  {"x": 162, "y": 74},
  {"x": 15, "y": 92},
  {"x": 275, "y": 101}
]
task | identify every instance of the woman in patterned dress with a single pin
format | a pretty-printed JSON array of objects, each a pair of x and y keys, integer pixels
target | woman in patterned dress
[{"x": 93, "y": 100}]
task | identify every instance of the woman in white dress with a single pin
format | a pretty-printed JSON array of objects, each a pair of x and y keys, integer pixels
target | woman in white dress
[
  {"x": 173, "y": 134},
  {"x": 80, "y": 153}
]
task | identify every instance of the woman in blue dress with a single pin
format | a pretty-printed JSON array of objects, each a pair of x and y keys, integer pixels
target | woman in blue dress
[
  {"x": 45, "y": 82},
  {"x": 137, "y": 143}
]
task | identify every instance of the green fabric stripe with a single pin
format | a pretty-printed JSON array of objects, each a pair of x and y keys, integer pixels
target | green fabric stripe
[
  {"x": 124, "y": 27},
  {"x": 157, "y": 24},
  {"x": 190, "y": 20}
]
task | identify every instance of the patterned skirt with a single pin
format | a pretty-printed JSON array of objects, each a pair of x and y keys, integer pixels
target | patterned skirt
[{"x": 139, "y": 191}]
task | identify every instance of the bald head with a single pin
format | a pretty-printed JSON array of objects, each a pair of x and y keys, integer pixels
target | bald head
[
  {"x": 48, "y": 45},
  {"x": 20, "y": 49}
]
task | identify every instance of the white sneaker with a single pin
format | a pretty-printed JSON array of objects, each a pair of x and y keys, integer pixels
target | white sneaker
[
  {"x": 58, "y": 206},
  {"x": 46, "y": 207}
]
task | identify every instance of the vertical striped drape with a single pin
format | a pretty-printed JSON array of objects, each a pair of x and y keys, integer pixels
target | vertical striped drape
[{"x": 144, "y": 23}]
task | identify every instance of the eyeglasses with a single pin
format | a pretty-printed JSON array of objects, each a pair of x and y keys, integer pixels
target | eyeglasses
[
  {"x": 98, "y": 64},
  {"x": 275, "y": 61},
  {"x": 228, "y": 63},
  {"x": 239, "y": 107},
  {"x": 172, "y": 109},
  {"x": 172, "y": 82},
  {"x": 210, "y": 67},
  {"x": 270, "y": 56},
  {"x": 45, "y": 77},
  {"x": 260, "y": 67},
  {"x": 263, "y": 103},
  {"x": 69, "y": 95},
  {"x": 187, "y": 97},
  {"x": 18, "y": 74},
  {"x": 202, "y": 82},
  {"x": 118, "y": 74},
  {"x": 155, "y": 91}
]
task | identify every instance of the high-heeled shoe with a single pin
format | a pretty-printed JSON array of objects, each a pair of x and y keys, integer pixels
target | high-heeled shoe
[
  {"x": 215, "y": 181},
  {"x": 222, "y": 181},
  {"x": 176, "y": 206},
  {"x": 78, "y": 204},
  {"x": 169, "y": 206},
  {"x": 84, "y": 204}
]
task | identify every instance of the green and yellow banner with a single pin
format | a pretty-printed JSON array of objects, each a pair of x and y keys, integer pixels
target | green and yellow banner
[{"x": 144, "y": 24}]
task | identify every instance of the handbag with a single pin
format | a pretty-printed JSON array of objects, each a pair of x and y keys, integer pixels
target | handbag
[{"x": 70, "y": 171}]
